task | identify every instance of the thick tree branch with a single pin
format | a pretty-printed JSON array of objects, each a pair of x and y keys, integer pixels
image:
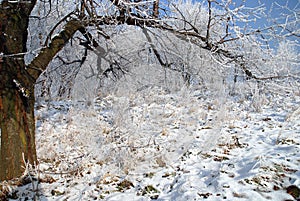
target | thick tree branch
[
  {"x": 40, "y": 63},
  {"x": 54, "y": 28}
]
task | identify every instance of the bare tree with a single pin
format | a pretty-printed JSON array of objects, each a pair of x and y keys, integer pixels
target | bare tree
[
  {"x": 211, "y": 27},
  {"x": 17, "y": 79}
]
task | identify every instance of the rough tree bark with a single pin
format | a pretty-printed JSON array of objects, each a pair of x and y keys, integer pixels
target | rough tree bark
[{"x": 17, "y": 123}]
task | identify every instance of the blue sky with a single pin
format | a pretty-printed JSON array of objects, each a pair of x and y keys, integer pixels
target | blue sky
[{"x": 274, "y": 10}]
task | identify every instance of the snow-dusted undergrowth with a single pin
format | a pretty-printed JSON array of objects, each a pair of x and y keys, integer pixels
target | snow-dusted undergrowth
[{"x": 153, "y": 144}]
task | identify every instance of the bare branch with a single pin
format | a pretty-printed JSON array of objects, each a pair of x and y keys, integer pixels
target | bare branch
[
  {"x": 40, "y": 63},
  {"x": 156, "y": 9}
]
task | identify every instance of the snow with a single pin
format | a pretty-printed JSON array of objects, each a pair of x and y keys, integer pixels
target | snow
[{"x": 153, "y": 144}]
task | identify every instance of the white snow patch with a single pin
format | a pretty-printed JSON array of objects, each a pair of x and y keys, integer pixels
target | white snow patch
[{"x": 157, "y": 145}]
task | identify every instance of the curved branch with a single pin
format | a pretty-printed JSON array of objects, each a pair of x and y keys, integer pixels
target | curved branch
[
  {"x": 57, "y": 24},
  {"x": 40, "y": 63}
]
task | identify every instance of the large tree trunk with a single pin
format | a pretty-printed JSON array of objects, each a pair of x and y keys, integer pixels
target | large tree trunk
[
  {"x": 17, "y": 125},
  {"x": 17, "y": 130}
]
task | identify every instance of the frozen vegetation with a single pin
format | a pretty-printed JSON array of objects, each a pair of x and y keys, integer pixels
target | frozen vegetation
[
  {"x": 154, "y": 144},
  {"x": 207, "y": 111}
]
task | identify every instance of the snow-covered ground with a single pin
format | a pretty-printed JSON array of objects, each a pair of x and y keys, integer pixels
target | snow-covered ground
[{"x": 167, "y": 146}]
